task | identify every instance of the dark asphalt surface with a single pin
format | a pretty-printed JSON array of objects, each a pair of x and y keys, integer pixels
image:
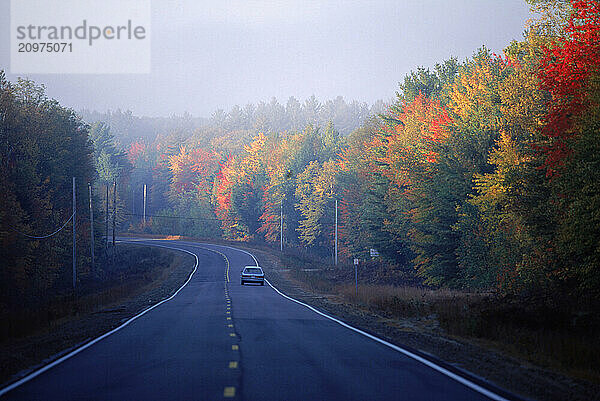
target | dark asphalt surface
[{"x": 266, "y": 348}]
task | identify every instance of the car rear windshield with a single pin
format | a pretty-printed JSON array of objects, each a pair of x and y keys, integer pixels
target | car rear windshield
[{"x": 253, "y": 270}]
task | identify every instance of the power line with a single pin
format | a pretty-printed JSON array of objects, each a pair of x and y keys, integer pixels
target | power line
[
  {"x": 174, "y": 217},
  {"x": 42, "y": 236}
]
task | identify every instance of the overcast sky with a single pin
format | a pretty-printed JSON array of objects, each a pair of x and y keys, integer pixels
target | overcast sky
[{"x": 210, "y": 55}]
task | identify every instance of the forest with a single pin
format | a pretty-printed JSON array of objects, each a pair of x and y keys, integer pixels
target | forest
[{"x": 482, "y": 174}]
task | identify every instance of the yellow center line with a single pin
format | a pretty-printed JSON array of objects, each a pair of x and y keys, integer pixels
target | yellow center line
[
  {"x": 229, "y": 392},
  {"x": 231, "y": 334},
  {"x": 235, "y": 347},
  {"x": 230, "y": 325},
  {"x": 233, "y": 365},
  {"x": 226, "y": 262},
  {"x": 228, "y": 318}
]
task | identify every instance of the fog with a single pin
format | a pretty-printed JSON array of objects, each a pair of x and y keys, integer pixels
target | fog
[{"x": 211, "y": 55}]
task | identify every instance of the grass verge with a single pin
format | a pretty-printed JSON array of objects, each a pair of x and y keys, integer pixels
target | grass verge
[{"x": 552, "y": 335}]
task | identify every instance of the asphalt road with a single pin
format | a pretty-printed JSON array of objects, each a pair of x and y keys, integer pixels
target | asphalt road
[{"x": 219, "y": 340}]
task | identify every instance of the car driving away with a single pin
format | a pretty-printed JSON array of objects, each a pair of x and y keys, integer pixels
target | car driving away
[{"x": 253, "y": 274}]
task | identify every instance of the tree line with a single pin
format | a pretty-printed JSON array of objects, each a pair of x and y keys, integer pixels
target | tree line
[
  {"x": 266, "y": 117},
  {"x": 481, "y": 174},
  {"x": 42, "y": 147}
]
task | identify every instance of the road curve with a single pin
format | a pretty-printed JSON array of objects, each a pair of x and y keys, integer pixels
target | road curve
[{"x": 216, "y": 339}]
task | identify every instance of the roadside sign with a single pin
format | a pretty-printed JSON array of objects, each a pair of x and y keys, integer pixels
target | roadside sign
[
  {"x": 373, "y": 252},
  {"x": 356, "y": 261}
]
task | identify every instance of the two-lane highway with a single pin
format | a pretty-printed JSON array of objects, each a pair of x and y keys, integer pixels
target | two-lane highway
[{"x": 217, "y": 340}]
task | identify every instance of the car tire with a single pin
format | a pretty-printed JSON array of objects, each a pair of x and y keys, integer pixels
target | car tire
[
  {"x": 262, "y": 283},
  {"x": 242, "y": 282}
]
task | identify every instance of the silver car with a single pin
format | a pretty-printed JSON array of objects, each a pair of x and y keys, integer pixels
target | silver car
[{"x": 253, "y": 274}]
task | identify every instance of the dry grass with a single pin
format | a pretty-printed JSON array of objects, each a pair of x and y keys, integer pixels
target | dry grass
[
  {"x": 403, "y": 301},
  {"x": 550, "y": 337},
  {"x": 137, "y": 268}
]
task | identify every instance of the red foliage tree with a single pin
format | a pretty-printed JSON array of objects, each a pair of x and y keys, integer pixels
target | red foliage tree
[
  {"x": 565, "y": 69},
  {"x": 136, "y": 151},
  {"x": 410, "y": 141},
  {"x": 192, "y": 169}
]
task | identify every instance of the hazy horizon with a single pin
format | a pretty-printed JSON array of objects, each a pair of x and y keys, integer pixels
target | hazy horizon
[{"x": 209, "y": 56}]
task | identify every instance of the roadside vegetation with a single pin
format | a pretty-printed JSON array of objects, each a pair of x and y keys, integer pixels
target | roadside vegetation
[
  {"x": 128, "y": 279},
  {"x": 557, "y": 334},
  {"x": 124, "y": 272}
]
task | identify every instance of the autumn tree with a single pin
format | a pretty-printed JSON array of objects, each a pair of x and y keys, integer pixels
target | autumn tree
[
  {"x": 570, "y": 72},
  {"x": 316, "y": 196},
  {"x": 42, "y": 146}
]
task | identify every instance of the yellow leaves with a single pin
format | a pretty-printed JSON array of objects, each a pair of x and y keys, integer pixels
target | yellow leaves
[
  {"x": 258, "y": 142},
  {"x": 469, "y": 91},
  {"x": 275, "y": 159},
  {"x": 523, "y": 104},
  {"x": 191, "y": 168},
  {"x": 177, "y": 161},
  {"x": 474, "y": 94},
  {"x": 253, "y": 160},
  {"x": 492, "y": 189},
  {"x": 506, "y": 156},
  {"x": 314, "y": 189},
  {"x": 424, "y": 122}
]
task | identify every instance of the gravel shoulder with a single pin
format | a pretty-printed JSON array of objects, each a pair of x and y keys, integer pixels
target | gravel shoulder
[{"x": 478, "y": 358}]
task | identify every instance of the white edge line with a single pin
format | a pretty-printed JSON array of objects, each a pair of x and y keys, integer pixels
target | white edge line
[
  {"x": 94, "y": 341},
  {"x": 424, "y": 361}
]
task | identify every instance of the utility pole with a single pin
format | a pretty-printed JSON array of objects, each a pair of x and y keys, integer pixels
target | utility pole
[
  {"x": 144, "y": 205},
  {"x": 106, "y": 220},
  {"x": 281, "y": 228},
  {"x": 91, "y": 225},
  {"x": 356, "y": 276},
  {"x": 336, "y": 234},
  {"x": 114, "y": 211},
  {"x": 74, "y": 242}
]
